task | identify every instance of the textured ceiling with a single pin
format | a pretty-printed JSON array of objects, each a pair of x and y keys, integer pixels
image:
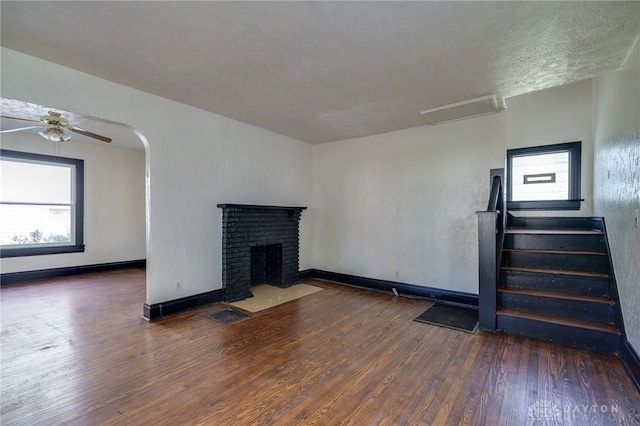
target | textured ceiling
[{"x": 324, "y": 71}]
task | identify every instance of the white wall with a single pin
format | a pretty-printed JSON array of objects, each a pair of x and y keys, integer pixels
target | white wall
[
  {"x": 405, "y": 201},
  {"x": 557, "y": 115},
  {"x": 114, "y": 207},
  {"x": 617, "y": 179},
  {"x": 194, "y": 160}
]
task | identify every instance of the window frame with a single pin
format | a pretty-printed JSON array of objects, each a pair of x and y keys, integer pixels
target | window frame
[
  {"x": 573, "y": 202},
  {"x": 77, "y": 245}
]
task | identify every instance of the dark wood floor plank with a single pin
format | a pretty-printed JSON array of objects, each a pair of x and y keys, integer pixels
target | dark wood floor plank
[
  {"x": 76, "y": 351},
  {"x": 491, "y": 394},
  {"x": 612, "y": 375},
  {"x": 562, "y": 386},
  {"x": 515, "y": 383},
  {"x": 480, "y": 399},
  {"x": 474, "y": 368}
]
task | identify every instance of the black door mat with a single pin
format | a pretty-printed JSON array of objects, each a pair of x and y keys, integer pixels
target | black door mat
[
  {"x": 227, "y": 316},
  {"x": 456, "y": 317}
]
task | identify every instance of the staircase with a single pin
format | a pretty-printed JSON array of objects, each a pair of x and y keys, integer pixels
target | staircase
[{"x": 555, "y": 282}]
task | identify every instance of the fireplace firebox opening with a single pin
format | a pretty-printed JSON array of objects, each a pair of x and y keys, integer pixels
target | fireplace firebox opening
[{"x": 266, "y": 265}]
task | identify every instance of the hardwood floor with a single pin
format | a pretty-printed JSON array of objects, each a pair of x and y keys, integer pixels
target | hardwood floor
[{"x": 77, "y": 351}]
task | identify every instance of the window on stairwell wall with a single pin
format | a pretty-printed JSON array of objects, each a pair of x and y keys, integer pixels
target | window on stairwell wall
[
  {"x": 41, "y": 204},
  {"x": 544, "y": 177}
]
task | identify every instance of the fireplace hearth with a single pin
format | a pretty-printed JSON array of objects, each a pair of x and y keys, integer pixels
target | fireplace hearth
[{"x": 260, "y": 244}]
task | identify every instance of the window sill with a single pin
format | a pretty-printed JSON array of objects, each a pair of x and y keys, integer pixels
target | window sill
[
  {"x": 544, "y": 205},
  {"x": 39, "y": 251}
]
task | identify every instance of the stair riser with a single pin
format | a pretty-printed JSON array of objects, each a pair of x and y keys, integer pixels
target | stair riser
[
  {"x": 555, "y": 242},
  {"x": 557, "y": 223},
  {"x": 565, "y": 262},
  {"x": 590, "y": 311},
  {"x": 548, "y": 282},
  {"x": 588, "y": 339}
]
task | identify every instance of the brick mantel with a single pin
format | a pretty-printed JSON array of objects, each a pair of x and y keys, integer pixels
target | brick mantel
[{"x": 247, "y": 227}]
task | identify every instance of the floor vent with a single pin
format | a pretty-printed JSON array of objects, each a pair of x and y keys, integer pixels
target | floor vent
[{"x": 228, "y": 316}]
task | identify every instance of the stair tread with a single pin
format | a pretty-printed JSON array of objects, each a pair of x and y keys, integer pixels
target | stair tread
[
  {"x": 571, "y": 322},
  {"x": 559, "y": 295},
  {"x": 579, "y": 252},
  {"x": 560, "y": 231},
  {"x": 556, "y": 272}
]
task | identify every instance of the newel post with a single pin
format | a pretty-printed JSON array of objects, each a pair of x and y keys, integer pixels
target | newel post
[{"x": 488, "y": 274}]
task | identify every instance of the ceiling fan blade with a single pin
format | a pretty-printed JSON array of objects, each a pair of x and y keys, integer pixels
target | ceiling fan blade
[
  {"x": 18, "y": 118},
  {"x": 20, "y": 129},
  {"x": 89, "y": 134}
]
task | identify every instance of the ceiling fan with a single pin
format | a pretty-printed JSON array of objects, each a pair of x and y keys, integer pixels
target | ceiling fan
[{"x": 55, "y": 128}]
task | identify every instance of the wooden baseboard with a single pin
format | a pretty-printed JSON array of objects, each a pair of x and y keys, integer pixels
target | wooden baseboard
[
  {"x": 173, "y": 307},
  {"x": 44, "y": 274},
  {"x": 631, "y": 362},
  {"x": 437, "y": 294}
]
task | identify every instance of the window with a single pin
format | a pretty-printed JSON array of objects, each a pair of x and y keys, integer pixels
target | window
[
  {"x": 41, "y": 204},
  {"x": 544, "y": 177}
]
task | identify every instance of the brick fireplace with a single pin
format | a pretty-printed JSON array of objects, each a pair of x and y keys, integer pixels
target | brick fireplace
[{"x": 260, "y": 244}]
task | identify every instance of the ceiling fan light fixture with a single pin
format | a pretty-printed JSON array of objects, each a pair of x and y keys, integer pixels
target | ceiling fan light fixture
[
  {"x": 55, "y": 134},
  {"x": 56, "y": 128}
]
